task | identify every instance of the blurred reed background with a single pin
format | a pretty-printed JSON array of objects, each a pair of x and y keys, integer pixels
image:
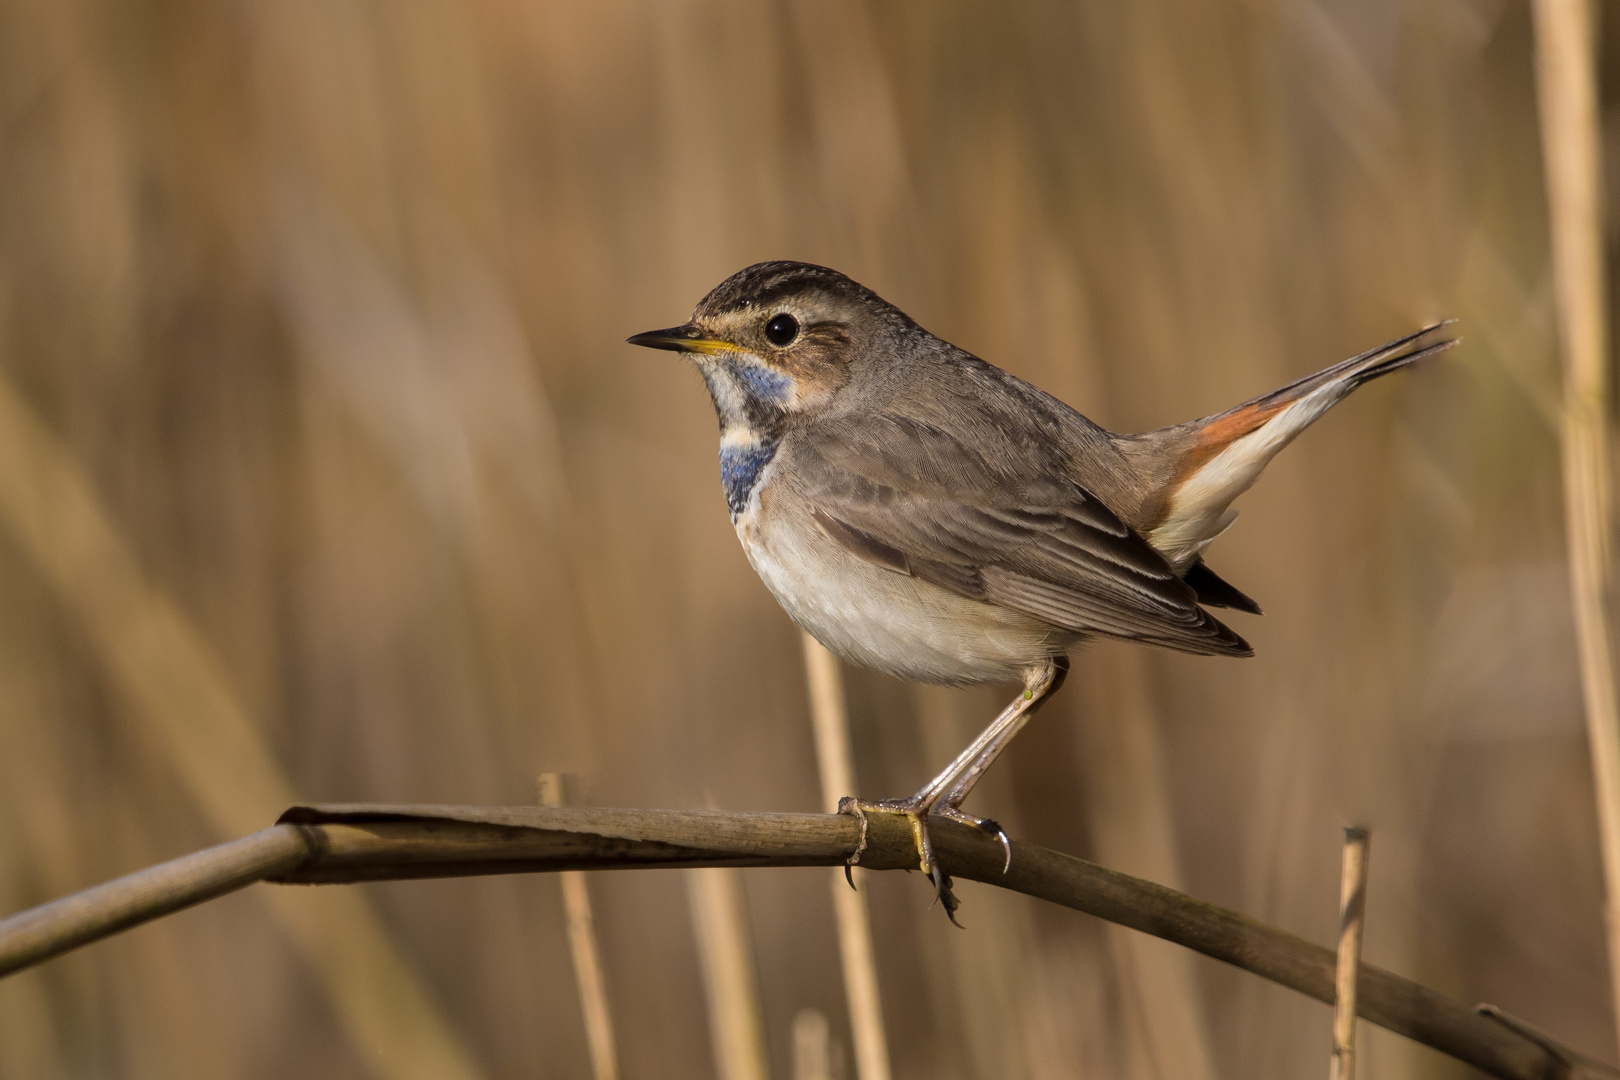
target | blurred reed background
[{"x": 326, "y": 475}]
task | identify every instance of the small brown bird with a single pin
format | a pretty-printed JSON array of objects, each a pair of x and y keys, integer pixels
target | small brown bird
[{"x": 924, "y": 513}]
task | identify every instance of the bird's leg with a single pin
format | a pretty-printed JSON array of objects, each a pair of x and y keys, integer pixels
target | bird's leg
[
  {"x": 944, "y": 793},
  {"x": 1043, "y": 683}
]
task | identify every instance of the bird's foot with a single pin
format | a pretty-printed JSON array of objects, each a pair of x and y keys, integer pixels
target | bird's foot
[
  {"x": 849, "y": 804},
  {"x": 916, "y": 811}
]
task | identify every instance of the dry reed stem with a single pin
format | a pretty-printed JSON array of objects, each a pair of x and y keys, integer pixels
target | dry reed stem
[
  {"x": 730, "y": 980},
  {"x": 36, "y": 935},
  {"x": 382, "y": 842},
  {"x": 812, "y": 1046},
  {"x": 190, "y": 713},
  {"x": 1130, "y": 814},
  {"x": 1566, "y": 83},
  {"x": 837, "y": 766},
  {"x": 1352, "y": 912},
  {"x": 586, "y": 952}
]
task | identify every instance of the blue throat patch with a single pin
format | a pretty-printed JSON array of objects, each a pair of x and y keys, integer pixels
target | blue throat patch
[
  {"x": 763, "y": 384},
  {"x": 740, "y": 466},
  {"x": 748, "y": 397}
]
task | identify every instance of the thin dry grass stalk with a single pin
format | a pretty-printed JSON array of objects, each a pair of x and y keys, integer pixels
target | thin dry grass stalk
[
  {"x": 587, "y": 954},
  {"x": 720, "y": 918},
  {"x": 837, "y": 766},
  {"x": 384, "y": 842},
  {"x": 812, "y": 1046},
  {"x": 1566, "y": 82},
  {"x": 1352, "y": 916}
]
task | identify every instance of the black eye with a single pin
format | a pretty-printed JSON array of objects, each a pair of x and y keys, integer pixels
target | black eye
[{"x": 781, "y": 330}]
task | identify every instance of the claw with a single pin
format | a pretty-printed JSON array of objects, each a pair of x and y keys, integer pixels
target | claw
[
  {"x": 850, "y": 805},
  {"x": 993, "y": 827},
  {"x": 930, "y": 866},
  {"x": 944, "y": 895},
  {"x": 849, "y": 874}
]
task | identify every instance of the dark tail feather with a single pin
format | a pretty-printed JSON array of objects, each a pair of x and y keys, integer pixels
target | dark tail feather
[
  {"x": 1395, "y": 363},
  {"x": 1215, "y": 591},
  {"x": 1389, "y": 357}
]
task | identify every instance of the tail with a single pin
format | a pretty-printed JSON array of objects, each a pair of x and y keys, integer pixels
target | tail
[{"x": 1220, "y": 456}]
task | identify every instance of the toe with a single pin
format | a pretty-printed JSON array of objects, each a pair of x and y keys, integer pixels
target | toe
[{"x": 946, "y": 895}]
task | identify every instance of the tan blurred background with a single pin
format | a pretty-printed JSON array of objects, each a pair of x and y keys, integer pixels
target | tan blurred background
[{"x": 324, "y": 474}]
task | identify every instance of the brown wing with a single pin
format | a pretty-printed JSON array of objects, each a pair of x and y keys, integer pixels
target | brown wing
[{"x": 914, "y": 499}]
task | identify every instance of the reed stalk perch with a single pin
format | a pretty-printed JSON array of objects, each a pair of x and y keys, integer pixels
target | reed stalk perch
[{"x": 369, "y": 842}]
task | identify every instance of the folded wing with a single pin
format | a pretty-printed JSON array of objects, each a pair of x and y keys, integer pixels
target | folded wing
[{"x": 916, "y": 501}]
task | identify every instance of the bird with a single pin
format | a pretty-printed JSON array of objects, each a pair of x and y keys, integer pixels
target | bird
[{"x": 924, "y": 513}]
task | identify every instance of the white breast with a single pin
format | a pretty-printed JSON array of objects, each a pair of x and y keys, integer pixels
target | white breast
[{"x": 880, "y": 619}]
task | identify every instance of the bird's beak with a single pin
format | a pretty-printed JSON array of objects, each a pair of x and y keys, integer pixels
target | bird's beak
[{"x": 680, "y": 339}]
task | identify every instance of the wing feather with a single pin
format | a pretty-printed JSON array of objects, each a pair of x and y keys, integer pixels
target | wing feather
[{"x": 910, "y": 497}]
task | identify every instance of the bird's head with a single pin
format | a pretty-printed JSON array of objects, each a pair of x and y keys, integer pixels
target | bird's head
[{"x": 779, "y": 338}]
